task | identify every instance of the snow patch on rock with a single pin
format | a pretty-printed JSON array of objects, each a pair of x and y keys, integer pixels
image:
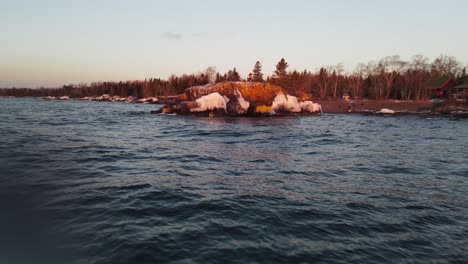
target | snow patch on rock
[
  {"x": 309, "y": 106},
  {"x": 287, "y": 102},
  {"x": 210, "y": 102}
]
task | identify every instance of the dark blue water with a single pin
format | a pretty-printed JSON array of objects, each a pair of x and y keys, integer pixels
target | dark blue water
[{"x": 97, "y": 182}]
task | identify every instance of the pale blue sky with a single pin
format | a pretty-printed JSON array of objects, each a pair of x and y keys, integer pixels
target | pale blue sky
[{"x": 50, "y": 43}]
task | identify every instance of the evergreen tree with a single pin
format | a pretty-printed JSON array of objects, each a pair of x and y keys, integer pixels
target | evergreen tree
[
  {"x": 219, "y": 78},
  {"x": 233, "y": 75},
  {"x": 257, "y": 75},
  {"x": 280, "y": 75},
  {"x": 280, "y": 72},
  {"x": 236, "y": 75}
]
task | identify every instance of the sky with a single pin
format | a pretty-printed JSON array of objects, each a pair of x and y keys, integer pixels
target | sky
[{"x": 51, "y": 43}]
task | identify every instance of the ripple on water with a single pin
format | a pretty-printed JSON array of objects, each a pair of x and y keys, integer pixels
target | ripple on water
[{"x": 118, "y": 185}]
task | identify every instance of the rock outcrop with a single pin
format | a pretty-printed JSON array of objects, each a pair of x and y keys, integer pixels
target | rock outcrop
[
  {"x": 238, "y": 99},
  {"x": 454, "y": 110}
]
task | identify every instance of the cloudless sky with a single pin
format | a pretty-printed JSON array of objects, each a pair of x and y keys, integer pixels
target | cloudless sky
[{"x": 50, "y": 43}]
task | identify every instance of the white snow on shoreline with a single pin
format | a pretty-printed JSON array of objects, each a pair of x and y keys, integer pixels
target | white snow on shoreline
[{"x": 386, "y": 111}]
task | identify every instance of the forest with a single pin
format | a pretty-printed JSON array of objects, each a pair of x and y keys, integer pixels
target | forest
[{"x": 388, "y": 78}]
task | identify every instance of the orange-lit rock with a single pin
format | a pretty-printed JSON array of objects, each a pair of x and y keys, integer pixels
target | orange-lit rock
[
  {"x": 253, "y": 92},
  {"x": 240, "y": 98}
]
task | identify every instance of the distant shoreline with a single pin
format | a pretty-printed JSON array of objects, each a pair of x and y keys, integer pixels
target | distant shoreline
[
  {"x": 448, "y": 108},
  {"x": 350, "y": 106}
]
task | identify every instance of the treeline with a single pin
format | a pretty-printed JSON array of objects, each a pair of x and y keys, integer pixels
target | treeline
[
  {"x": 152, "y": 87},
  {"x": 388, "y": 78}
]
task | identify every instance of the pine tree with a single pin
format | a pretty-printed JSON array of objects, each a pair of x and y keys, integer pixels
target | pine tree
[
  {"x": 218, "y": 78},
  {"x": 233, "y": 75},
  {"x": 236, "y": 76},
  {"x": 257, "y": 72},
  {"x": 280, "y": 72},
  {"x": 280, "y": 75}
]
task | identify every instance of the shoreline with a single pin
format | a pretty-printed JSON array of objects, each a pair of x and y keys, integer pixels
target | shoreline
[
  {"x": 444, "y": 108},
  {"x": 335, "y": 106},
  {"x": 447, "y": 108}
]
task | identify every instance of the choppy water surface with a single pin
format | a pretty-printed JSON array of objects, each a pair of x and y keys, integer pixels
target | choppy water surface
[{"x": 111, "y": 183}]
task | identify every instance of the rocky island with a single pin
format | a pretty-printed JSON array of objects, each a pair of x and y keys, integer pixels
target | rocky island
[{"x": 237, "y": 99}]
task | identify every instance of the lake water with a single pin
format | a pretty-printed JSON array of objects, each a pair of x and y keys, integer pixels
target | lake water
[{"x": 100, "y": 182}]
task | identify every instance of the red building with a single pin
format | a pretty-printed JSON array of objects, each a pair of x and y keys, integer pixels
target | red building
[{"x": 441, "y": 87}]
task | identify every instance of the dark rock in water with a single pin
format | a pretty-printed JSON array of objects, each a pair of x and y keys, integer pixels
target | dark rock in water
[
  {"x": 459, "y": 115},
  {"x": 452, "y": 108},
  {"x": 172, "y": 99},
  {"x": 455, "y": 110},
  {"x": 182, "y": 108}
]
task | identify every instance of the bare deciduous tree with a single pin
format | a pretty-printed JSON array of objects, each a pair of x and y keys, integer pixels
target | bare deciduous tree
[
  {"x": 446, "y": 66},
  {"x": 337, "y": 72},
  {"x": 323, "y": 83},
  {"x": 390, "y": 67},
  {"x": 420, "y": 68},
  {"x": 356, "y": 81},
  {"x": 210, "y": 73}
]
